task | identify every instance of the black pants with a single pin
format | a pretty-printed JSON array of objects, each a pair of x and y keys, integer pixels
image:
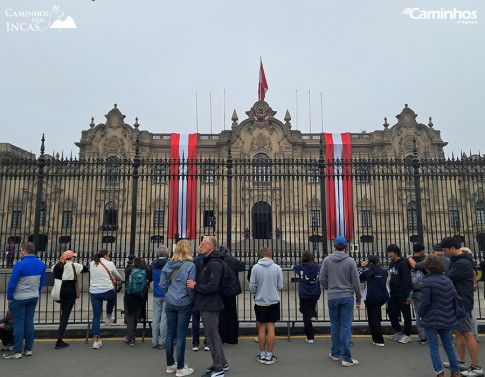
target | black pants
[
  {"x": 374, "y": 319},
  {"x": 308, "y": 309},
  {"x": 397, "y": 305},
  {"x": 66, "y": 308},
  {"x": 228, "y": 321}
]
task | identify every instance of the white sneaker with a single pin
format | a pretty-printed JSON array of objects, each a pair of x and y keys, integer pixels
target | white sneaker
[
  {"x": 195, "y": 348},
  {"x": 171, "y": 368},
  {"x": 186, "y": 371},
  {"x": 310, "y": 341},
  {"x": 396, "y": 336},
  {"x": 350, "y": 363},
  {"x": 473, "y": 371},
  {"x": 378, "y": 344},
  {"x": 97, "y": 345},
  {"x": 206, "y": 348},
  {"x": 334, "y": 358},
  {"x": 256, "y": 339},
  {"x": 405, "y": 339}
]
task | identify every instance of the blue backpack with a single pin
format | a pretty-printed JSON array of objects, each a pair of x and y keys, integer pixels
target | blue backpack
[{"x": 137, "y": 283}]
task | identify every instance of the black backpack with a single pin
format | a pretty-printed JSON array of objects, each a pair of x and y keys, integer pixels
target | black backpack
[{"x": 229, "y": 284}]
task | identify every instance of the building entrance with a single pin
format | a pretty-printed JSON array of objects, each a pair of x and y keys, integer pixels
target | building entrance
[{"x": 262, "y": 221}]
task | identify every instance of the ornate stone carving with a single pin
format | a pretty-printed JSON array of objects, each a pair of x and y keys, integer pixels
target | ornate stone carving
[{"x": 261, "y": 143}]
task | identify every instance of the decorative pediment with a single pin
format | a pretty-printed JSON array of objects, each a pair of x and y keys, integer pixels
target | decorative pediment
[{"x": 261, "y": 112}]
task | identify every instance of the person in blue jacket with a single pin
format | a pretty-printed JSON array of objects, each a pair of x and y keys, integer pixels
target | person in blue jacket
[
  {"x": 159, "y": 322},
  {"x": 375, "y": 295},
  {"x": 24, "y": 286},
  {"x": 309, "y": 291}
]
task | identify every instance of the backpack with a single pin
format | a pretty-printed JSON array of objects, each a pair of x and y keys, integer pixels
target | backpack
[
  {"x": 229, "y": 284},
  {"x": 417, "y": 277},
  {"x": 137, "y": 283}
]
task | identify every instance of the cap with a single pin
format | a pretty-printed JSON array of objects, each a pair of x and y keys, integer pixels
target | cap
[
  {"x": 68, "y": 254},
  {"x": 437, "y": 247},
  {"x": 340, "y": 240}
]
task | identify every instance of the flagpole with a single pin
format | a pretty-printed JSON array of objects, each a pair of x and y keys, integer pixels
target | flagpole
[
  {"x": 224, "y": 119},
  {"x": 321, "y": 108},
  {"x": 309, "y": 112},
  {"x": 210, "y": 108},
  {"x": 196, "y": 114},
  {"x": 297, "y": 109}
]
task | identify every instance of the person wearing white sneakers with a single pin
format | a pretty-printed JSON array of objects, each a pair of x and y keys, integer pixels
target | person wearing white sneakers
[
  {"x": 340, "y": 278},
  {"x": 102, "y": 279}
]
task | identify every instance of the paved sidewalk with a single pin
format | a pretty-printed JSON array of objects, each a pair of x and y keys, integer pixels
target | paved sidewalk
[{"x": 296, "y": 358}]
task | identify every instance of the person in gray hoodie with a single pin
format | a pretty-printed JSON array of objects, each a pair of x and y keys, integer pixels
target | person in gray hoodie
[
  {"x": 340, "y": 278},
  {"x": 265, "y": 284}
]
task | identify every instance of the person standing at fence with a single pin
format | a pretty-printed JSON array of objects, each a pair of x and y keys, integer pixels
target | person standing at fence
[
  {"x": 24, "y": 286},
  {"x": 475, "y": 287},
  {"x": 376, "y": 294},
  {"x": 309, "y": 291},
  {"x": 137, "y": 279},
  {"x": 437, "y": 314},
  {"x": 229, "y": 322},
  {"x": 159, "y": 320},
  {"x": 265, "y": 284},
  {"x": 417, "y": 277},
  {"x": 400, "y": 295},
  {"x": 179, "y": 305},
  {"x": 208, "y": 300},
  {"x": 461, "y": 273},
  {"x": 10, "y": 252},
  {"x": 68, "y": 271},
  {"x": 102, "y": 287},
  {"x": 339, "y": 276}
]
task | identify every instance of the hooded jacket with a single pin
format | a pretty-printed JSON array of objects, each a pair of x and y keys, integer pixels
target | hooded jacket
[
  {"x": 209, "y": 273},
  {"x": 400, "y": 283},
  {"x": 461, "y": 273},
  {"x": 176, "y": 292},
  {"x": 309, "y": 280},
  {"x": 266, "y": 282},
  {"x": 236, "y": 265},
  {"x": 339, "y": 276}
]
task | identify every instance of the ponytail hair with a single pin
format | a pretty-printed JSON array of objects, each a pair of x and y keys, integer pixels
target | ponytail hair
[
  {"x": 373, "y": 266},
  {"x": 100, "y": 254}
]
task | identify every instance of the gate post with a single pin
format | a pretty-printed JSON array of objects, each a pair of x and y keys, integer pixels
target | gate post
[
  {"x": 38, "y": 199},
  {"x": 229, "y": 195},
  {"x": 323, "y": 200},
  {"x": 134, "y": 194},
  {"x": 417, "y": 192}
]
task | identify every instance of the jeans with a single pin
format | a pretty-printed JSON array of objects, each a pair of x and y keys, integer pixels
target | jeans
[
  {"x": 159, "y": 322},
  {"x": 446, "y": 339},
  {"x": 178, "y": 318},
  {"x": 417, "y": 304},
  {"x": 196, "y": 328},
  {"x": 211, "y": 327},
  {"x": 341, "y": 311},
  {"x": 23, "y": 318},
  {"x": 97, "y": 303}
]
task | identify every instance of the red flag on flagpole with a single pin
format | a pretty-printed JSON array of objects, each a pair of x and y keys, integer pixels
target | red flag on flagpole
[{"x": 263, "y": 85}]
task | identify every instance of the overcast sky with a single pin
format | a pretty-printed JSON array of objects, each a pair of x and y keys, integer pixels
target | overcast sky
[{"x": 151, "y": 57}]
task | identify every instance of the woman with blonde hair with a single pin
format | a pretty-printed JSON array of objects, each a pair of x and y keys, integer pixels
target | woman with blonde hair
[
  {"x": 102, "y": 282},
  {"x": 179, "y": 301},
  {"x": 68, "y": 271}
]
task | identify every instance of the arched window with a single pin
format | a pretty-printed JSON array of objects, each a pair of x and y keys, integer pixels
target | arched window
[
  {"x": 412, "y": 215},
  {"x": 480, "y": 212},
  {"x": 112, "y": 170},
  {"x": 262, "y": 168},
  {"x": 110, "y": 219}
]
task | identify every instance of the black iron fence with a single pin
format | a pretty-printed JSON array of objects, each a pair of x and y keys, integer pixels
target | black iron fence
[{"x": 133, "y": 206}]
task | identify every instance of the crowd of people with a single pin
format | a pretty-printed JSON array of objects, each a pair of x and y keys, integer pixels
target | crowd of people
[{"x": 440, "y": 288}]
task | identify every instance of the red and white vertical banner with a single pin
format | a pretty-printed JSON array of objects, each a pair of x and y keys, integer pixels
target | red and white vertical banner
[
  {"x": 340, "y": 219},
  {"x": 263, "y": 84},
  {"x": 183, "y": 186}
]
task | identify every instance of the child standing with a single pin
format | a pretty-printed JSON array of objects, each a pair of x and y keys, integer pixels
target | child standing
[{"x": 308, "y": 291}]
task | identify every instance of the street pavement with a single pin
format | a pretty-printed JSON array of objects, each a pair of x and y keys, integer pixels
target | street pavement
[{"x": 296, "y": 358}]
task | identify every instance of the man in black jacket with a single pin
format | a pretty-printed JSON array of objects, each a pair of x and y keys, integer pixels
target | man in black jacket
[
  {"x": 461, "y": 273},
  {"x": 400, "y": 300},
  {"x": 208, "y": 300}
]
